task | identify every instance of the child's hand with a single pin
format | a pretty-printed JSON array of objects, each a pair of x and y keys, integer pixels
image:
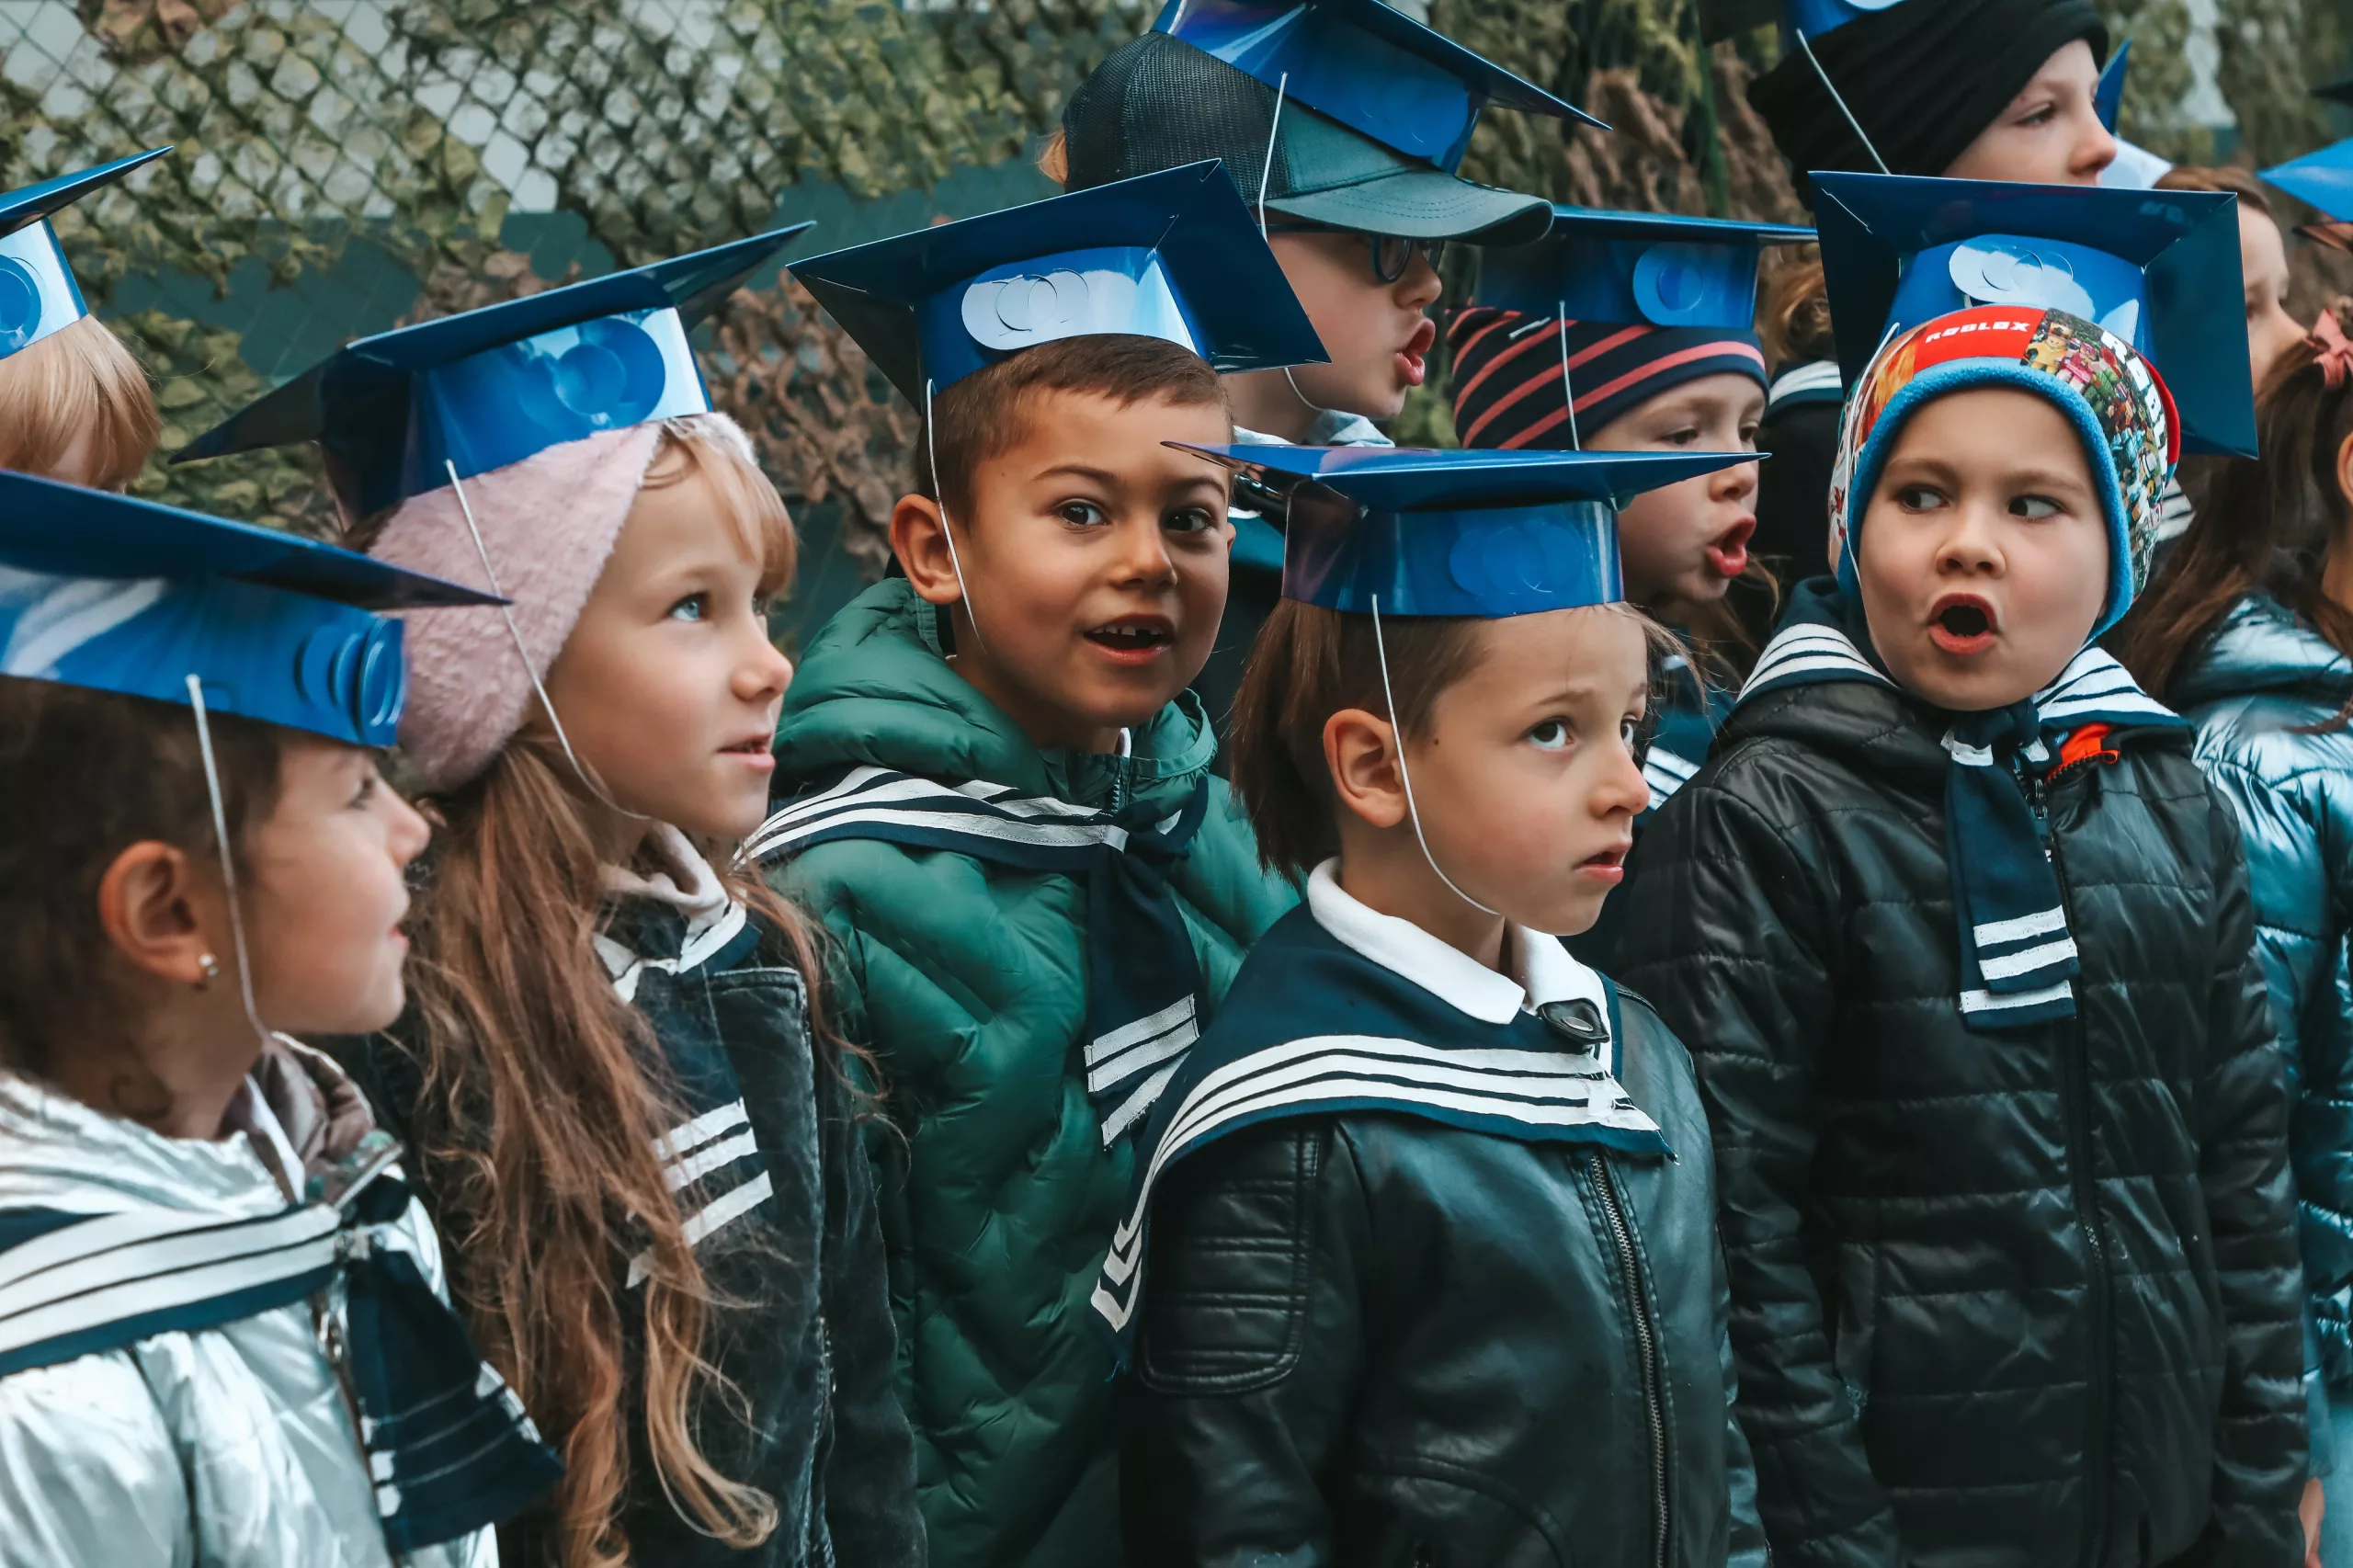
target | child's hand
[{"x": 2315, "y": 1500}]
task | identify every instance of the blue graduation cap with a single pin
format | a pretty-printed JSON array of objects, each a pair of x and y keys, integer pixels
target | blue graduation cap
[
  {"x": 2158, "y": 268},
  {"x": 1173, "y": 254},
  {"x": 2322, "y": 179},
  {"x": 2107, "y": 99},
  {"x": 1479, "y": 533},
  {"x": 102, "y": 591},
  {"x": 38, "y": 294},
  {"x": 491, "y": 387},
  {"x": 1373, "y": 68},
  {"x": 1634, "y": 267}
]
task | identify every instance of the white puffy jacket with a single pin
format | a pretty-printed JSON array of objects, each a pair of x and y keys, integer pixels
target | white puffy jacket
[{"x": 228, "y": 1448}]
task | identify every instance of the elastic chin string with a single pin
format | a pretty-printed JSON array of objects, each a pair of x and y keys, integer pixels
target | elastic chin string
[
  {"x": 490, "y": 575},
  {"x": 1265, "y": 173},
  {"x": 931, "y": 454},
  {"x": 228, "y": 859},
  {"x": 1828, "y": 87},
  {"x": 1397, "y": 728},
  {"x": 1568, "y": 395}
]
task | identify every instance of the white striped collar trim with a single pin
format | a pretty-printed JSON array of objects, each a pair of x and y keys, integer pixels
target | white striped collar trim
[
  {"x": 692, "y": 1151},
  {"x": 1547, "y": 972},
  {"x": 1536, "y": 1088},
  {"x": 1818, "y": 376}
]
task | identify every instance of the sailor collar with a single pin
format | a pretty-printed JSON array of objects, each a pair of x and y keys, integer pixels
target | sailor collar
[{"x": 1546, "y": 971}]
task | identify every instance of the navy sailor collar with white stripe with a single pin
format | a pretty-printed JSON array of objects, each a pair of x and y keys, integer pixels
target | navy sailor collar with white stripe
[
  {"x": 1342, "y": 1009},
  {"x": 2018, "y": 956}
]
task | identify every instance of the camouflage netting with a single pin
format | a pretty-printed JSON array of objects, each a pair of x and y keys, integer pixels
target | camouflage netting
[{"x": 344, "y": 164}]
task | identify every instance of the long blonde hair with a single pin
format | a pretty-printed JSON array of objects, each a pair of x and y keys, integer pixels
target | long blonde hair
[
  {"x": 541, "y": 1103},
  {"x": 79, "y": 379}
]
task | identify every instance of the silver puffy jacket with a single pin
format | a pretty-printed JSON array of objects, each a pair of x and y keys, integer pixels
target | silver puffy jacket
[{"x": 231, "y": 1448}]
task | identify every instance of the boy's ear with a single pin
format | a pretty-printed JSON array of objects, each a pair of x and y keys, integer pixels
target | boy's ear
[
  {"x": 919, "y": 538},
  {"x": 2344, "y": 471},
  {"x": 147, "y": 905},
  {"x": 1360, "y": 754}
]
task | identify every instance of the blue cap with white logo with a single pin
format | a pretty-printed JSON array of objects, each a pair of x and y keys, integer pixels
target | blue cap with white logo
[
  {"x": 493, "y": 386},
  {"x": 102, "y": 591},
  {"x": 2158, "y": 269},
  {"x": 1368, "y": 65},
  {"x": 1649, "y": 268},
  {"x": 38, "y": 293},
  {"x": 1418, "y": 533},
  {"x": 1173, "y": 256}
]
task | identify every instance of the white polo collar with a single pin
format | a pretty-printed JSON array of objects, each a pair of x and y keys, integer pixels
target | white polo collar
[{"x": 1546, "y": 971}]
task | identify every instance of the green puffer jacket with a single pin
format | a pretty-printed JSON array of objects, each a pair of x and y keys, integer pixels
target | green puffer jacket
[{"x": 968, "y": 981}]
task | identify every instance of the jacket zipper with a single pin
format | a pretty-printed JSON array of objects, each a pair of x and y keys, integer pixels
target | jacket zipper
[
  {"x": 2077, "y": 1080},
  {"x": 1645, "y": 1350}
]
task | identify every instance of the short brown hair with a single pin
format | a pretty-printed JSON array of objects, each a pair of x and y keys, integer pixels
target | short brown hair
[
  {"x": 2226, "y": 180},
  {"x": 988, "y": 413},
  {"x": 1307, "y": 664},
  {"x": 78, "y": 378},
  {"x": 85, "y": 775}
]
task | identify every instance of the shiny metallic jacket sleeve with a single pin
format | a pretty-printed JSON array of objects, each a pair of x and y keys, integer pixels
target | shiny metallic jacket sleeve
[
  {"x": 2297, "y": 821},
  {"x": 89, "y": 1473}
]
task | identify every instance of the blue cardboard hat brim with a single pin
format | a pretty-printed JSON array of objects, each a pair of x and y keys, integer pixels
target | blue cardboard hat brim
[
  {"x": 2107, "y": 99},
  {"x": 1188, "y": 215},
  {"x": 1405, "y": 479},
  {"x": 2323, "y": 179},
  {"x": 64, "y": 531},
  {"x": 32, "y": 203},
  {"x": 1586, "y": 267},
  {"x": 2185, "y": 241},
  {"x": 367, "y": 380}
]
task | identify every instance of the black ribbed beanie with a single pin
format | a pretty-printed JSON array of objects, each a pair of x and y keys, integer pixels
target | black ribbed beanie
[{"x": 1924, "y": 77}]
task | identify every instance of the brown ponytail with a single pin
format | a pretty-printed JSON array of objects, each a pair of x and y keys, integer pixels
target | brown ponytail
[{"x": 2266, "y": 523}]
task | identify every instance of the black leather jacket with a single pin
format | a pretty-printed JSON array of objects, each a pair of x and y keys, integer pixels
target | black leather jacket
[
  {"x": 1374, "y": 1339},
  {"x": 2027, "y": 1298}
]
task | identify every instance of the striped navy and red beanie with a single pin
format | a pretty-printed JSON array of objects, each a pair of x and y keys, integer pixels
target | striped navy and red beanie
[{"x": 1509, "y": 366}]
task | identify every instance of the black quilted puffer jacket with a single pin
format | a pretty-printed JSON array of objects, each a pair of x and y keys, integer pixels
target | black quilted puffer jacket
[{"x": 2022, "y": 1298}]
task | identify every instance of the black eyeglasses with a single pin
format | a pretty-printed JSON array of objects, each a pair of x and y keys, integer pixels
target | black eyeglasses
[{"x": 1393, "y": 257}]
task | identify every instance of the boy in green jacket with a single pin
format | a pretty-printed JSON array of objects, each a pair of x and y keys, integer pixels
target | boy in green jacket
[{"x": 995, "y": 793}]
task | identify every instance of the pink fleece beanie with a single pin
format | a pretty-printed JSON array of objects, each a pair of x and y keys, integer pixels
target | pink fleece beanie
[{"x": 548, "y": 525}]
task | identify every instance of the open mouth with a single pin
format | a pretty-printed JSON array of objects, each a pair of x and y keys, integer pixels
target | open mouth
[
  {"x": 1413, "y": 360},
  {"x": 1134, "y": 639},
  {"x": 1729, "y": 554},
  {"x": 1963, "y": 625},
  {"x": 753, "y": 749},
  {"x": 1608, "y": 867}
]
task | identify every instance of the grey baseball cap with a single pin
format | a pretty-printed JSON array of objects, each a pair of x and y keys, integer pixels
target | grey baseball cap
[{"x": 1159, "y": 103}]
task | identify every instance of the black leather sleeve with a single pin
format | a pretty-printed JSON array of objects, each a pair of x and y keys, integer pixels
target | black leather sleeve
[{"x": 1247, "y": 1353}]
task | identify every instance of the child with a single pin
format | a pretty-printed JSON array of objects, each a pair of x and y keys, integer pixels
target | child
[
  {"x": 221, "y": 1336},
  {"x": 1632, "y": 332},
  {"x": 2248, "y": 630},
  {"x": 1964, "y": 945},
  {"x": 1347, "y": 144},
  {"x": 1430, "y": 1204},
  {"x": 631, "y": 1111},
  {"x": 73, "y": 403},
  {"x": 1973, "y": 89},
  {"x": 1009, "y": 821}
]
